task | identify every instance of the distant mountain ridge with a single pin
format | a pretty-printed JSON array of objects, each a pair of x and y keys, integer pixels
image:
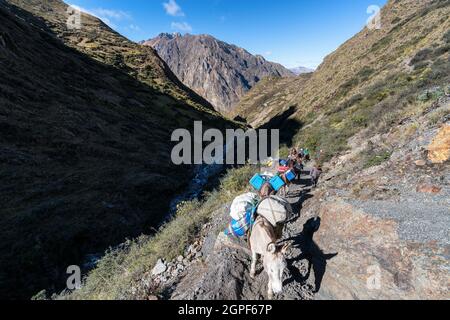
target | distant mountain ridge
[
  {"x": 300, "y": 70},
  {"x": 220, "y": 72}
]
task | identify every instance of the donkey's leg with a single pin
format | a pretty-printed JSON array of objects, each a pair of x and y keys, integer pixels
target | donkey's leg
[
  {"x": 269, "y": 290},
  {"x": 253, "y": 267}
]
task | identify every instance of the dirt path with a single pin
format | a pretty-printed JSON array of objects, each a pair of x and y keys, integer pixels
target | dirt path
[{"x": 224, "y": 273}]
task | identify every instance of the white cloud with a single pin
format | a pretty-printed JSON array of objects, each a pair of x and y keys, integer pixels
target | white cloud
[
  {"x": 268, "y": 53},
  {"x": 134, "y": 27},
  {"x": 181, "y": 26},
  {"x": 112, "y": 14},
  {"x": 173, "y": 9}
]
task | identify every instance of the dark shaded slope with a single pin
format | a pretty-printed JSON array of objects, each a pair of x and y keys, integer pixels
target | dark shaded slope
[{"x": 84, "y": 155}]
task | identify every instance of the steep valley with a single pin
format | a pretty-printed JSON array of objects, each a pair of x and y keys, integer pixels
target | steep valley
[
  {"x": 85, "y": 124},
  {"x": 375, "y": 114},
  {"x": 84, "y": 143}
]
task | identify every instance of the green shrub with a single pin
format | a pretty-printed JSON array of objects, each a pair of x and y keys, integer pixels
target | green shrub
[
  {"x": 375, "y": 159},
  {"x": 396, "y": 20},
  {"x": 446, "y": 37},
  {"x": 421, "y": 56},
  {"x": 365, "y": 73},
  {"x": 347, "y": 87},
  {"x": 284, "y": 151},
  {"x": 382, "y": 43},
  {"x": 360, "y": 120}
]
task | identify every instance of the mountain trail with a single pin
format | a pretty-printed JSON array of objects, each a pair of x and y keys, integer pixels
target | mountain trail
[{"x": 223, "y": 272}]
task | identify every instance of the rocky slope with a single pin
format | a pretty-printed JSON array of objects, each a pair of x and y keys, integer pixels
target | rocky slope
[
  {"x": 84, "y": 142},
  {"x": 367, "y": 72},
  {"x": 220, "y": 72}
]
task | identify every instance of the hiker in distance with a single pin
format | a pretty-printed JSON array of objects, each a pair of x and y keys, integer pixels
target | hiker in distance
[{"x": 316, "y": 172}]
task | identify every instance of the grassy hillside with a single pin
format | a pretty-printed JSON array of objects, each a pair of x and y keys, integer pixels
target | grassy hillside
[
  {"x": 263, "y": 102},
  {"x": 103, "y": 44},
  {"x": 84, "y": 148},
  {"x": 366, "y": 84}
]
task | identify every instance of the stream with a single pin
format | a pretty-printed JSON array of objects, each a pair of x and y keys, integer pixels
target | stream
[{"x": 203, "y": 174}]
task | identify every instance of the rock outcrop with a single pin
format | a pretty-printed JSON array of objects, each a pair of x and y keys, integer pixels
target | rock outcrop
[
  {"x": 220, "y": 72},
  {"x": 439, "y": 149}
]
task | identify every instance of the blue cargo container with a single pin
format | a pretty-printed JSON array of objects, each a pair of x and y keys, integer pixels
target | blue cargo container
[
  {"x": 277, "y": 183},
  {"x": 290, "y": 175},
  {"x": 257, "y": 181}
]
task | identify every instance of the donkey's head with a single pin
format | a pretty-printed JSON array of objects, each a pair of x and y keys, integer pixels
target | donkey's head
[{"x": 274, "y": 265}]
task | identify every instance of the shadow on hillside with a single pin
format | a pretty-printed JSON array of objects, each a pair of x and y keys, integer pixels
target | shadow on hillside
[
  {"x": 288, "y": 126},
  {"x": 317, "y": 259},
  {"x": 96, "y": 194}
]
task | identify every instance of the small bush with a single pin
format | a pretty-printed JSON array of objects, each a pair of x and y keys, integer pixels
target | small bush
[
  {"x": 365, "y": 73},
  {"x": 421, "y": 56},
  {"x": 384, "y": 42},
  {"x": 396, "y": 20},
  {"x": 446, "y": 37},
  {"x": 438, "y": 116},
  {"x": 372, "y": 160},
  {"x": 360, "y": 120},
  {"x": 284, "y": 151},
  {"x": 347, "y": 87}
]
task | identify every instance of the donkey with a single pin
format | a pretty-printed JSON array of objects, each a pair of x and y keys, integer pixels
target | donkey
[{"x": 263, "y": 240}]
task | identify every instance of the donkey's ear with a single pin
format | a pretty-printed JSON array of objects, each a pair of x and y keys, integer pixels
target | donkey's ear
[
  {"x": 285, "y": 248},
  {"x": 271, "y": 248}
]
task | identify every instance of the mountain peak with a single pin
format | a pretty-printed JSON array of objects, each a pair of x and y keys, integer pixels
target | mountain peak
[
  {"x": 220, "y": 72},
  {"x": 167, "y": 35}
]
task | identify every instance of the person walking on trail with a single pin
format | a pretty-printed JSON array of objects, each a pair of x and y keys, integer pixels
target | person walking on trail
[
  {"x": 319, "y": 155},
  {"x": 301, "y": 153},
  {"x": 307, "y": 154},
  {"x": 293, "y": 154},
  {"x": 316, "y": 172}
]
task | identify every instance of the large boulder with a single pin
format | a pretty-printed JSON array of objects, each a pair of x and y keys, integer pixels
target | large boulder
[{"x": 439, "y": 149}]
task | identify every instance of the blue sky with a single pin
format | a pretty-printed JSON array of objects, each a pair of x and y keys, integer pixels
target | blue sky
[{"x": 291, "y": 32}]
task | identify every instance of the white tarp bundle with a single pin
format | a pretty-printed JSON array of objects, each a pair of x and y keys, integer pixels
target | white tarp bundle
[
  {"x": 242, "y": 204},
  {"x": 275, "y": 209}
]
